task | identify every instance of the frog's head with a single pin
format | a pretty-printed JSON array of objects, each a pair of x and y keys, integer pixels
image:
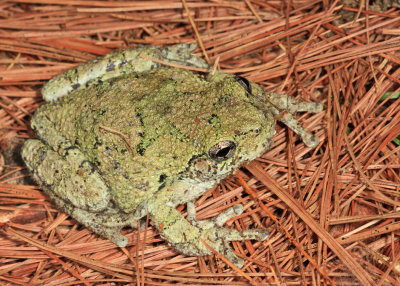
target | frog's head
[{"x": 239, "y": 127}]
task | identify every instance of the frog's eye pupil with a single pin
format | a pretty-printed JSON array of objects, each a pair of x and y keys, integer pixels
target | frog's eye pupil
[
  {"x": 222, "y": 150},
  {"x": 245, "y": 83}
]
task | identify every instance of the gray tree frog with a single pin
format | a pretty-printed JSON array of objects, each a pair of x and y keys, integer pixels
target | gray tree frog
[{"x": 123, "y": 136}]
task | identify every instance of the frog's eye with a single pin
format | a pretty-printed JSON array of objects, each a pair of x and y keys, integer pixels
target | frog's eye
[
  {"x": 222, "y": 150},
  {"x": 244, "y": 82}
]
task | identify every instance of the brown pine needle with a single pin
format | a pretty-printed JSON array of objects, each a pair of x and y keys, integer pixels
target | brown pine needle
[
  {"x": 195, "y": 30},
  {"x": 287, "y": 234},
  {"x": 347, "y": 188},
  {"x": 123, "y": 137},
  {"x": 347, "y": 259},
  {"x": 238, "y": 270}
]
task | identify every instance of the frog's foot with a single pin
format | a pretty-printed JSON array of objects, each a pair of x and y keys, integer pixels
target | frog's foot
[
  {"x": 291, "y": 122},
  {"x": 219, "y": 237},
  {"x": 182, "y": 54},
  {"x": 187, "y": 237},
  {"x": 283, "y": 103},
  {"x": 107, "y": 224}
]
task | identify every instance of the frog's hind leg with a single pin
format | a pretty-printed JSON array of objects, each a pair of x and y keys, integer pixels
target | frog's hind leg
[
  {"x": 281, "y": 103},
  {"x": 69, "y": 190},
  {"x": 187, "y": 237},
  {"x": 75, "y": 183},
  {"x": 63, "y": 168},
  {"x": 67, "y": 176}
]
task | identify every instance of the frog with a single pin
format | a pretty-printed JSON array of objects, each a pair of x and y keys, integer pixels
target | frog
[{"x": 137, "y": 133}]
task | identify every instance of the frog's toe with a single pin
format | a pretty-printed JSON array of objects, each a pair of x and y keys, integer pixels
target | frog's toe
[
  {"x": 232, "y": 257},
  {"x": 252, "y": 234},
  {"x": 107, "y": 224},
  {"x": 90, "y": 220},
  {"x": 118, "y": 239},
  {"x": 222, "y": 218},
  {"x": 218, "y": 222},
  {"x": 111, "y": 233},
  {"x": 310, "y": 140},
  {"x": 235, "y": 235},
  {"x": 219, "y": 237},
  {"x": 182, "y": 54}
]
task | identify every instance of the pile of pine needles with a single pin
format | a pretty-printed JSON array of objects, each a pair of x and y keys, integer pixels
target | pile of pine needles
[{"x": 333, "y": 212}]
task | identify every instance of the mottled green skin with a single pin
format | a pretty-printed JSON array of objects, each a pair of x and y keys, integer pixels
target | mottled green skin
[
  {"x": 143, "y": 142},
  {"x": 168, "y": 116}
]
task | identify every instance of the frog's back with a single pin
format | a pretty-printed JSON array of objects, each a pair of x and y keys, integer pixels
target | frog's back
[{"x": 123, "y": 127}]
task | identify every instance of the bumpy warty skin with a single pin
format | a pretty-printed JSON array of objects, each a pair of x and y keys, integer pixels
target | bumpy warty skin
[{"x": 142, "y": 139}]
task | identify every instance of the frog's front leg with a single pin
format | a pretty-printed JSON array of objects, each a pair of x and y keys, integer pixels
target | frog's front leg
[
  {"x": 186, "y": 237},
  {"x": 115, "y": 64},
  {"x": 282, "y": 103},
  {"x": 63, "y": 169}
]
